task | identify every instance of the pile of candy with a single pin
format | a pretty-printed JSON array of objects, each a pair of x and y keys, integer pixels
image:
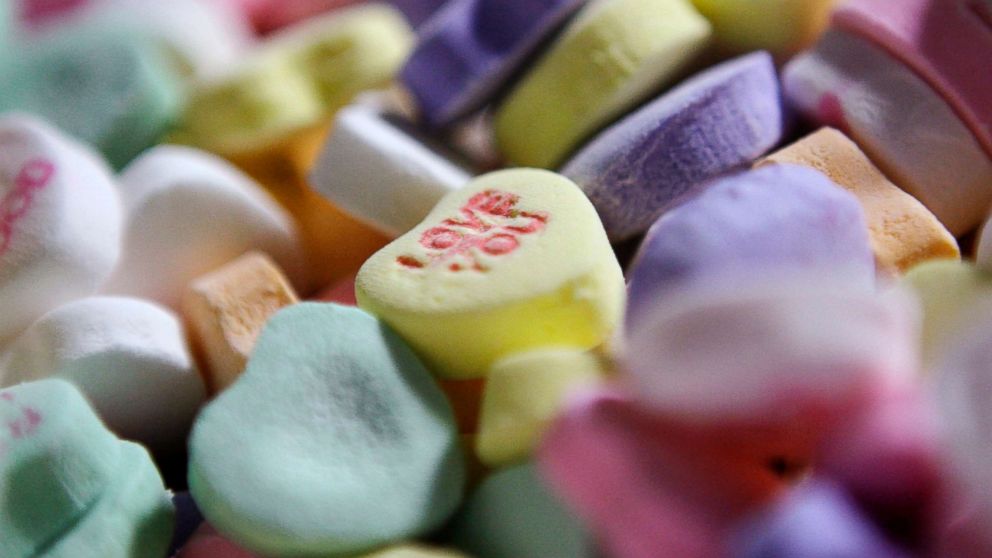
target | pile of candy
[{"x": 579, "y": 278}]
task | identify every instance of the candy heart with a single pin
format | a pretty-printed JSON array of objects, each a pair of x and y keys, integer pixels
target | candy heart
[
  {"x": 472, "y": 48},
  {"x": 334, "y": 418},
  {"x": 782, "y": 27},
  {"x": 612, "y": 55},
  {"x": 718, "y": 121},
  {"x": 515, "y": 260},
  {"x": 60, "y": 221}
]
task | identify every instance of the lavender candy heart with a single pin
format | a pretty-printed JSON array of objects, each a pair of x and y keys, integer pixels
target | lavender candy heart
[
  {"x": 718, "y": 121},
  {"x": 818, "y": 520},
  {"x": 468, "y": 51},
  {"x": 776, "y": 218}
]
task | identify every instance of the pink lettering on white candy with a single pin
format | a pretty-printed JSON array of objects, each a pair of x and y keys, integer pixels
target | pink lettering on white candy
[
  {"x": 489, "y": 223},
  {"x": 33, "y": 176}
]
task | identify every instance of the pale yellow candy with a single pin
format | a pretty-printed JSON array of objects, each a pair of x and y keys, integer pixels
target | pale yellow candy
[
  {"x": 782, "y": 27},
  {"x": 516, "y": 260},
  {"x": 414, "y": 551},
  {"x": 953, "y": 295},
  {"x": 902, "y": 230},
  {"x": 225, "y": 311},
  {"x": 523, "y": 394},
  {"x": 608, "y": 59}
]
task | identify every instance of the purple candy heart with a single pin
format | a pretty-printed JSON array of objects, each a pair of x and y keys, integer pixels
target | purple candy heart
[
  {"x": 719, "y": 121},
  {"x": 781, "y": 217},
  {"x": 469, "y": 50}
]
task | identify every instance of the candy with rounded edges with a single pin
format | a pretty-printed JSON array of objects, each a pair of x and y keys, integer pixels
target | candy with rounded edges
[
  {"x": 60, "y": 221},
  {"x": 784, "y": 217},
  {"x": 906, "y": 128},
  {"x": 375, "y": 167},
  {"x": 612, "y": 55},
  {"x": 113, "y": 90},
  {"x": 188, "y": 213},
  {"x": 523, "y": 394},
  {"x": 782, "y": 27},
  {"x": 56, "y": 460},
  {"x": 953, "y": 296},
  {"x": 903, "y": 232},
  {"x": 471, "y": 48},
  {"x": 818, "y": 520},
  {"x": 225, "y": 311},
  {"x": 515, "y": 260},
  {"x": 770, "y": 346},
  {"x": 719, "y": 121},
  {"x": 128, "y": 356},
  {"x": 513, "y": 514},
  {"x": 335, "y": 417},
  {"x": 983, "y": 249},
  {"x": 947, "y": 42},
  {"x": 133, "y": 518}
]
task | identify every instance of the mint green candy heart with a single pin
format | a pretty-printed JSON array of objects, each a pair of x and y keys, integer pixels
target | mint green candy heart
[{"x": 335, "y": 440}]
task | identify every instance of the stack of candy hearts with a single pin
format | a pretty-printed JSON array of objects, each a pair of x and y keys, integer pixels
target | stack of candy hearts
[{"x": 495, "y": 279}]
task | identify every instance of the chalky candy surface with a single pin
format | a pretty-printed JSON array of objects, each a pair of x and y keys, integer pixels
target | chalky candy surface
[
  {"x": 954, "y": 296},
  {"x": 779, "y": 26},
  {"x": 848, "y": 83},
  {"x": 226, "y": 309},
  {"x": 612, "y": 55},
  {"x": 335, "y": 417},
  {"x": 513, "y": 514},
  {"x": 947, "y": 42},
  {"x": 128, "y": 357},
  {"x": 471, "y": 48},
  {"x": 114, "y": 91},
  {"x": 523, "y": 394},
  {"x": 374, "y": 166},
  {"x": 56, "y": 460},
  {"x": 719, "y": 121},
  {"x": 188, "y": 213},
  {"x": 818, "y": 520},
  {"x": 515, "y": 260},
  {"x": 766, "y": 347},
  {"x": 903, "y": 231},
  {"x": 781, "y": 217},
  {"x": 133, "y": 518},
  {"x": 60, "y": 221}
]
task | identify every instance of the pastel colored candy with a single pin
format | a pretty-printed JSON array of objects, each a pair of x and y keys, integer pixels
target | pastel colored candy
[
  {"x": 471, "y": 48},
  {"x": 522, "y": 396},
  {"x": 608, "y": 59},
  {"x": 133, "y": 517},
  {"x": 418, "y": 11},
  {"x": 850, "y": 84},
  {"x": 109, "y": 89},
  {"x": 60, "y": 221},
  {"x": 953, "y": 296},
  {"x": 719, "y": 121},
  {"x": 374, "y": 167},
  {"x": 783, "y": 217},
  {"x": 57, "y": 460},
  {"x": 297, "y": 79},
  {"x": 903, "y": 232},
  {"x": 808, "y": 344},
  {"x": 983, "y": 248},
  {"x": 513, "y": 514},
  {"x": 225, "y": 311},
  {"x": 334, "y": 396},
  {"x": 782, "y": 27},
  {"x": 515, "y": 260},
  {"x": 128, "y": 357},
  {"x": 944, "y": 41},
  {"x": 188, "y": 213},
  {"x": 819, "y": 520},
  {"x": 642, "y": 484},
  {"x": 341, "y": 292}
]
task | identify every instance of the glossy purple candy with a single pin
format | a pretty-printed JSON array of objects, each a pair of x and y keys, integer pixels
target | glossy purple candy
[
  {"x": 776, "y": 218},
  {"x": 717, "y": 122},
  {"x": 467, "y": 52},
  {"x": 819, "y": 520}
]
